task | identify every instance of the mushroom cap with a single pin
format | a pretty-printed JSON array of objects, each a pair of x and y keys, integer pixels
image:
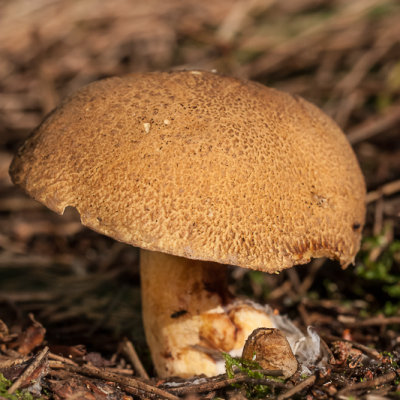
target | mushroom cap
[{"x": 202, "y": 166}]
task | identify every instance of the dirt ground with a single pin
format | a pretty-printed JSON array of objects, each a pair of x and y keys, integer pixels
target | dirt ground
[{"x": 70, "y": 298}]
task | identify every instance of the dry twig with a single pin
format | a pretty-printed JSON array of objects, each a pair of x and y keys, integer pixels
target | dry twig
[
  {"x": 374, "y": 125},
  {"x": 389, "y": 377},
  {"x": 128, "y": 382},
  {"x": 12, "y": 362},
  {"x": 298, "y": 388},
  {"x": 372, "y": 353},
  {"x": 220, "y": 382},
  {"x": 129, "y": 350},
  {"x": 374, "y": 321},
  {"x": 385, "y": 190},
  {"x": 29, "y": 370}
]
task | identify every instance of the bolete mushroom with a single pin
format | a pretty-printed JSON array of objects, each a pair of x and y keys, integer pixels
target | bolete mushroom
[{"x": 198, "y": 170}]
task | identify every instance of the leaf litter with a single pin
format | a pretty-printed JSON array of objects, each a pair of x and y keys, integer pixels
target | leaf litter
[{"x": 69, "y": 299}]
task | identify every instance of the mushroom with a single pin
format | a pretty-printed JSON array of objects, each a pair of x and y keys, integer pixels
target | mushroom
[{"x": 199, "y": 170}]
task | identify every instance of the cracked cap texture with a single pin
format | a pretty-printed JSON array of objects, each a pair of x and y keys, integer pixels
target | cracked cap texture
[{"x": 202, "y": 166}]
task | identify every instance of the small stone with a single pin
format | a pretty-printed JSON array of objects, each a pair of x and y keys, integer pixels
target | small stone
[{"x": 271, "y": 350}]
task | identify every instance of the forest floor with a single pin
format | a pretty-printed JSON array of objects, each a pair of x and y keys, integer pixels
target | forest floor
[{"x": 70, "y": 299}]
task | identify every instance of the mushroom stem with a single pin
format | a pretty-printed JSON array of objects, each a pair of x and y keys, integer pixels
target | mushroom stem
[{"x": 189, "y": 315}]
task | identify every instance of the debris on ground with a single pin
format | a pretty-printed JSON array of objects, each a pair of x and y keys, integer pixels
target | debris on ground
[{"x": 70, "y": 323}]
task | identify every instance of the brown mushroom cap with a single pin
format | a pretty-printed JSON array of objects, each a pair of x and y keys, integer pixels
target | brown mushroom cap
[{"x": 201, "y": 166}]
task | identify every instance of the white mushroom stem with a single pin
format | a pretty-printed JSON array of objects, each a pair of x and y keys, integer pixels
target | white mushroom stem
[{"x": 189, "y": 315}]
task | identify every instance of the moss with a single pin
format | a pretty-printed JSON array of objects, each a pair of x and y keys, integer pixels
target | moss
[
  {"x": 5, "y": 384},
  {"x": 381, "y": 273},
  {"x": 252, "y": 369}
]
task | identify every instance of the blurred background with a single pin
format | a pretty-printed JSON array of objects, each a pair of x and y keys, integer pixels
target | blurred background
[{"x": 342, "y": 55}]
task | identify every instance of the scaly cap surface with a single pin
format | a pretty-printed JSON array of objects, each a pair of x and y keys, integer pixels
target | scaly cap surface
[{"x": 201, "y": 166}]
